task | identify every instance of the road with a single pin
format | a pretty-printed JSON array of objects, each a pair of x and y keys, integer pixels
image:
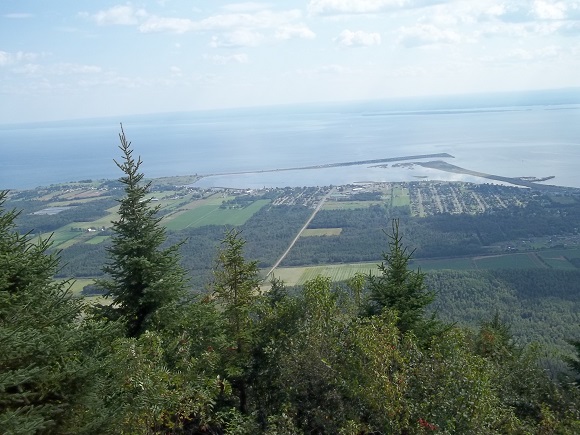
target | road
[{"x": 316, "y": 210}]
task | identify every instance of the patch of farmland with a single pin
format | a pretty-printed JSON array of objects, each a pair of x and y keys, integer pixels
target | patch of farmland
[
  {"x": 96, "y": 240},
  {"x": 314, "y": 232},
  {"x": 559, "y": 263},
  {"x": 336, "y": 272},
  {"x": 441, "y": 264},
  {"x": 349, "y": 205},
  {"x": 557, "y": 253},
  {"x": 508, "y": 261},
  {"x": 214, "y": 215}
]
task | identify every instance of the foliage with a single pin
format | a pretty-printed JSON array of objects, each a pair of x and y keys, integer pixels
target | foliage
[
  {"x": 144, "y": 278},
  {"x": 47, "y": 357},
  {"x": 235, "y": 287},
  {"x": 398, "y": 288}
]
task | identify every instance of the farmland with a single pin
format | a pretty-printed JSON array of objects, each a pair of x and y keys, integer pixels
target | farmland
[
  {"x": 213, "y": 214},
  {"x": 548, "y": 259}
]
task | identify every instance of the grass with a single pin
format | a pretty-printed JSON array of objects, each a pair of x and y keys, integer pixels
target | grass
[
  {"x": 400, "y": 197},
  {"x": 321, "y": 232},
  {"x": 212, "y": 214},
  {"x": 447, "y": 263},
  {"x": 556, "y": 253},
  {"x": 562, "y": 200},
  {"x": 77, "y": 285},
  {"x": 559, "y": 263},
  {"x": 96, "y": 240},
  {"x": 349, "y": 205},
  {"x": 509, "y": 261},
  {"x": 340, "y": 272},
  {"x": 336, "y": 272},
  {"x": 61, "y": 236}
]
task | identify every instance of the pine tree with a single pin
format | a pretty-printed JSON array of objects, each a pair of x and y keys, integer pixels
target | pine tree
[
  {"x": 145, "y": 278},
  {"x": 235, "y": 286},
  {"x": 45, "y": 369},
  {"x": 398, "y": 287}
]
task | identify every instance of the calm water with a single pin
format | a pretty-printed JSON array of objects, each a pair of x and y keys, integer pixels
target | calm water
[{"x": 535, "y": 138}]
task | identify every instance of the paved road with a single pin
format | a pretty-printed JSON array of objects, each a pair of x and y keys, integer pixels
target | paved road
[{"x": 316, "y": 210}]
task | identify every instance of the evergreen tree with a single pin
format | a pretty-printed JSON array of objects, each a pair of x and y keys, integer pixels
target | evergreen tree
[
  {"x": 236, "y": 287},
  {"x": 145, "y": 278},
  {"x": 399, "y": 288},
  {"x": 574, "y": 363},
  {"x": 46, "y": 370}
]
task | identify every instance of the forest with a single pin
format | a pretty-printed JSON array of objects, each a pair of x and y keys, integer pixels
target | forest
[{"x": 379, "y": 353}]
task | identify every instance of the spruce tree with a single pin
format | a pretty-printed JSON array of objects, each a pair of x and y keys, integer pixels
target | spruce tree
[
  {"x": 236, "y": 287},
  {"x": 145, "y": 278},
  {"x": 399, "y": 288},
  {"x": 45, "y": 369}
]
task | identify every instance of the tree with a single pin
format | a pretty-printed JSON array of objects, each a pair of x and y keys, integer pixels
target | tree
[
  {"x": 236, "y": 286},
  {"x": 399, "y": 288},
  {"x": 47, "y": 373},
  {"x": 144, "y": 278}
]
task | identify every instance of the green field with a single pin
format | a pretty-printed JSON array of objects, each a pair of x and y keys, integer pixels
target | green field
[
  {"x": 349, "y": 205},
  {"x": 400, "y": 197},
  {"x": 439, "y": 264},
  {"x": 212, "y": 214},
  {"x": 557, "y": 253},
  {"x": 559, "y": 263},
  {"x": 77, "y": 285},
  {"x": 509, "y": 261},
  {"x": 321, "y": 232},
  {"x": 336, "y": 272},
  {"x": 62, "y": 238},
  {"x": 96, "y": 240}
]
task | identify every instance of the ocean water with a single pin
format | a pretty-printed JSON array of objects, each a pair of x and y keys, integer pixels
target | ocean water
[{"x": 531, "y": 135}]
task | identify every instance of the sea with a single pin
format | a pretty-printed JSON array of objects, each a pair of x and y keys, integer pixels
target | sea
[{"x": 518, "y": 134}]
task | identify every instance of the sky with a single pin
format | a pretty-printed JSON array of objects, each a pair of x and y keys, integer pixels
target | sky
[{"x": 70, "y": 59}]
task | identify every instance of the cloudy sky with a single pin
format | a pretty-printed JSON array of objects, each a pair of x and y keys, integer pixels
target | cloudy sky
[{"x": 78, "y": 58}]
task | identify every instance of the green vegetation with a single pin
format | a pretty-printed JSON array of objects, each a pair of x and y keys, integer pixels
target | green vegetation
[
  {"x": 514, "y": 261},
  {"x": 214, "y": 215},
  {"x": 143, "y": 280},
  {"x": 321, "y": 232},
  {"x": 364, "y": 355}
]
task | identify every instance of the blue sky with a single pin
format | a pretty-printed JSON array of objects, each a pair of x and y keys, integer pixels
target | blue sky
[{"x": 73, "y": 59}]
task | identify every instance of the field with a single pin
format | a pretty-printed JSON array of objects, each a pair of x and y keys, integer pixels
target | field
[
  {"x": 96, "y": 240},
  {"x": 336, "y": 272},
  {"x": 510, "y": 261},
  {"x": 212, "y": 214},
  {"x": 349, "y": 205},
  {"x": 400, "y": 196},
  {"x": 321, "y": 232},
  {"x": 555, "y": 259},
  {"x": 447, "y": 263}
]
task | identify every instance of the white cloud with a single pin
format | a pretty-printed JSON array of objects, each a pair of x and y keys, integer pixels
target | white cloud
[
  {"x": 161, "y": 24},
  {"x": 232, "y": 58},
  {"x": 261, "y": 20},
  {"x": 238, "y": 38},
  {"x": 521, "y": 55},
  {"x": 546, "y": 10},
  {"x": 426, "y": 34},
  {"x": 18, "y": 15},
  {"x": 7, "y": 58},
  {"x": 334, "y": 7},
  {"x": 245, "y": 7},
  {"x": 348, "y": 38},
  {"x": 118, "y": 15},
  {"x": 175, "y": 71},
  {"x": 58, "y": 69},
  {"x": 295, "y": 31},
  {"x": 332, "y": 69}
]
